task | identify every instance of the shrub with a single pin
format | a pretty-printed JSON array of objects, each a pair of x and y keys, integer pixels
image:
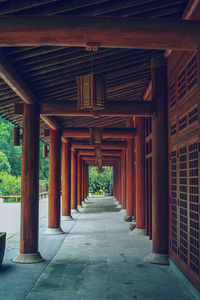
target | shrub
[{"x": 10, "y": 185}]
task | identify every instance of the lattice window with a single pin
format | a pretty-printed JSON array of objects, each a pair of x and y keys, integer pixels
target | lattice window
[
  {"x": 192, "y": 73},
  {"x": 182, "y": 123},
  {"x": 193, "y": 116},
  {"x": 183, "y": 251},
  {"x": 172, "y": 95},
  {"x": 181, "y": 85},
  {"x": 173, "y": 129},
  {"x": 174, "y": 206},
  {"x": 194, "y": 208}
]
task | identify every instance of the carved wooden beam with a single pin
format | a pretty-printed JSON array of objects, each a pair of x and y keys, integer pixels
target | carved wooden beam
[
  {"x": 112, "y": 109},
  {"x": 110, "y": 32}
]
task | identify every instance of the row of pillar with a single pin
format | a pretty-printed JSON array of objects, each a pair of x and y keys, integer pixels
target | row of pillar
[
  {"x": 132, "y": 182},
  {"x": 128, "y": 178}
]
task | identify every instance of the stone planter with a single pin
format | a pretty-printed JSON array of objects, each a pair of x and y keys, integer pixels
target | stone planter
[{"x": 2, "y": 245}]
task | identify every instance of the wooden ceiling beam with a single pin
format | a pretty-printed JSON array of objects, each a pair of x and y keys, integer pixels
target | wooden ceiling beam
[
  {"x": 104, "y": 153},
  {"x": 106, "y": 133},
  {"x": 106, "y": 31},
  {"x": 113, "y": 109},
  {"x": 16, "y": 83},
  {"x": 104, "y": 145}
]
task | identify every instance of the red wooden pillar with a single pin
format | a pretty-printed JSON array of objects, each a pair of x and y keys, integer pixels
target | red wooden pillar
[
  {"x": 119, "y": 182},
  {"x": 66, "y": 181},
  {"x": 130, "y": 180},
  {"x": 83, "y": 181},
  {"x": 114, "y": 181},
  {"x": 123, "y": 166},
  {"x": 54, "y": 182},
  {"x": 87, "y": 181},
  {"x": 159, "y": 164},
  {"x": 79, "y": 181},
  {"x": 74, "y": 180},
  {"x": 30, "y": 187},
  {"x": 140, "y": 176}
]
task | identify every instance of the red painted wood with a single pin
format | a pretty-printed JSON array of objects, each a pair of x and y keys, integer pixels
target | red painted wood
[
  {"x": 123, "y": 165},
  {"x": 106, "y": 31},
  {"x": 140, "y": 173},
  {"x": 54, "y": 178},
  {"x": 66, "y": 178},
  {"x": 30, "y": 181},
  {"x": 73, "y": 179},
  {"x": 79, "y": 180},
  {"x": 160, "y": 157},
  {"x": 130, "y": 178}
]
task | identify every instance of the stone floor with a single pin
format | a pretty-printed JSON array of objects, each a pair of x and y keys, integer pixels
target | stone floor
[{"x": 98, "y": 258}]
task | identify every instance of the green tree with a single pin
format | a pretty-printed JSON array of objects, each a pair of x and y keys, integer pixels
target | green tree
[
  {"x": 4, "y": 163},
  {"x": 13, "y": 153},
  {"x": 99, "y": 182}
]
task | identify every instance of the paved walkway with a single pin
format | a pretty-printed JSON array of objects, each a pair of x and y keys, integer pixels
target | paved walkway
[{"x": 98, "y": 259}]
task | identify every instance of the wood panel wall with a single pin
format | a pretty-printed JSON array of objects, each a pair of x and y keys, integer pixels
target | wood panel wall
[{"x": 184, "y": 162}]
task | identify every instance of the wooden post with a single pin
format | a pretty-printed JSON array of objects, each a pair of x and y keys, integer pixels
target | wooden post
[
  {"x": 87, "y": 181},
  {"x": 123, "y": 178},
  {"x": 74, "y": 180},
  {"x": 66, "y": 181},
  {"x": 54, "y": 182},
  {"x": 30, "y": 188},
  {"x": 129, "y": 181},
  {"x": 159, "y": 164},
  {"x": 83, "y": 181},
  {"x": 79, "y": 182},
  {"x": 140, "y": 176}
]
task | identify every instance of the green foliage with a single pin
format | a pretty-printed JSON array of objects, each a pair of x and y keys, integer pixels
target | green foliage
[
  {"x": 99, "y": 182},
  {"x": 10, "y": 185},
  {"x": 13, "y": 153},
  {"x": 4, "y": 163},
  {"x": 44, "y": 166}
]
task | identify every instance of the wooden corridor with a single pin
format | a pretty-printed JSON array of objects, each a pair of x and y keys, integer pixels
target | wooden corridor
[{"x": 108, "y": 83}]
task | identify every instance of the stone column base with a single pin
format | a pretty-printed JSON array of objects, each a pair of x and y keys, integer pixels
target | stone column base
[
  {"x": 139, "y": 231},
  {"x": 74, "y": 210},
  {"x": 30, "y": 258},
  {"x": 128, "y": 218},
  {"x": 155, "y": 258},
  {"x": 67, "y": 218},
  {"x": 54, "y": 231},
  {"x": 119, "y": 206}
]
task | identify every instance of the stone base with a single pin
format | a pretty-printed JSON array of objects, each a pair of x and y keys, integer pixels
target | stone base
[
  {"x": 139, "y": 231},
  {"x": 54, "y": 231},
  {"x": 116, "y": 202},
  {"x": 67, "y": 218},
  {"x": 31, "y": 258},
  {"x": 80, "y": 207},
  {"x": 155, "y": 258},
  {"x": 132, "y": 227},
  {"x": 123, "y": 210},
  {"x": 74, "y": 210},
  {"x": 119, "y": 206},
  {"x": 127, "y": 218}
]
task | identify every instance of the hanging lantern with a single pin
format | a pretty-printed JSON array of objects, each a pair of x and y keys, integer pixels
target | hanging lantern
[
  {"x": 95, "y": 135},
  {"x": 91, "y": 92},
  {"x": 16, "y": 136}
]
